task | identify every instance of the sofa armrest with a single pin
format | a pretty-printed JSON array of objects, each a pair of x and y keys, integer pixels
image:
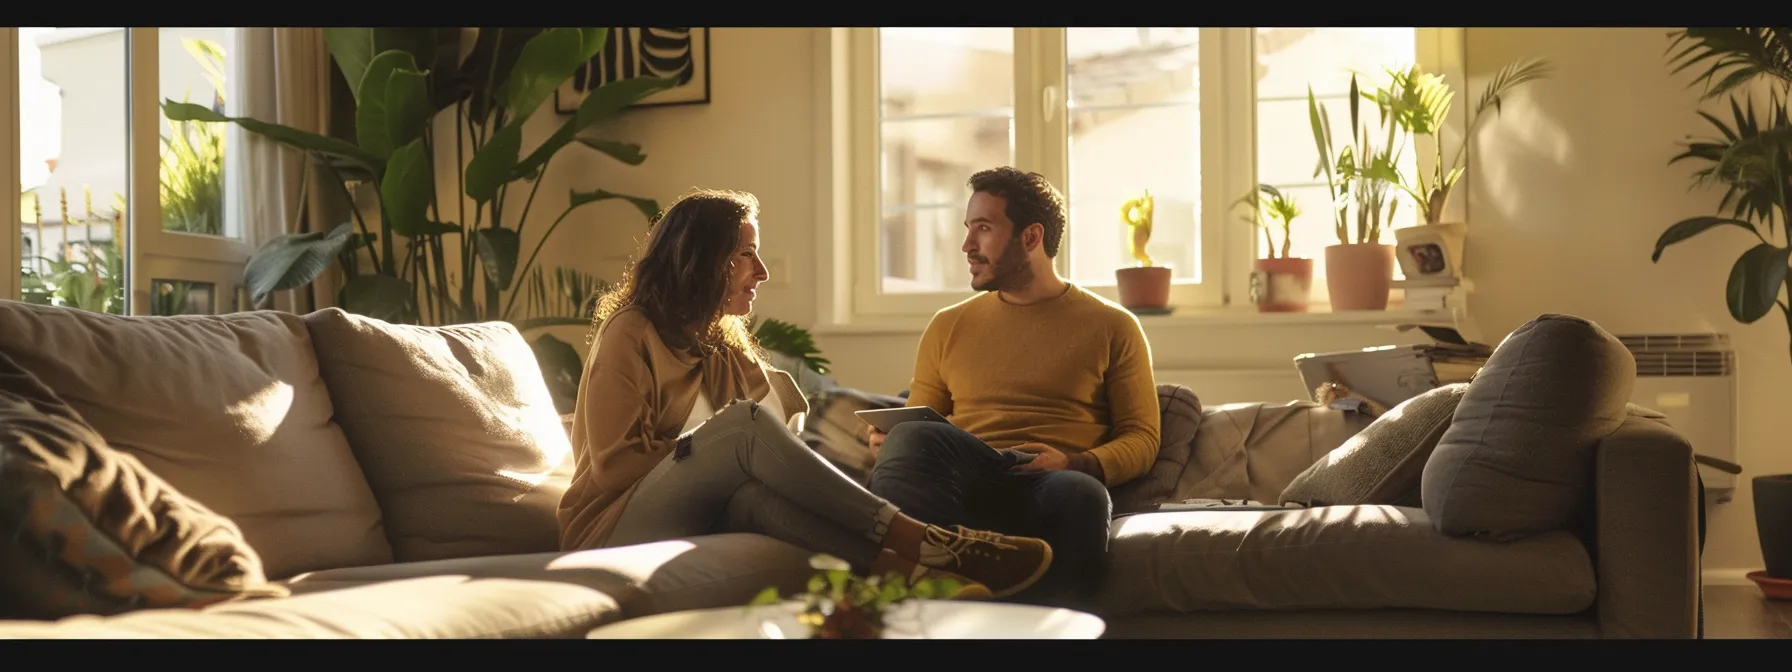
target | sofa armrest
[{"x": 1646, "y": 530}]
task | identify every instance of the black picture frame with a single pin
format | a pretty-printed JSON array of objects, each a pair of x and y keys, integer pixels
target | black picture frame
[{"x": 625, "y": 55}]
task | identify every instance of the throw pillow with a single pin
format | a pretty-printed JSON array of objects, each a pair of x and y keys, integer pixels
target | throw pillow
[
  {"x": 1518, "y": 459},
  {"x": 455, "y": 430},
  {"x": 91, "y": 531},
  {"x": 1384, "y": 463}
]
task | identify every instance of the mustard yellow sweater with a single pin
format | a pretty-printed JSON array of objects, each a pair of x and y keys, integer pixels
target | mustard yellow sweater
[{"x": 1071, "y": 372}]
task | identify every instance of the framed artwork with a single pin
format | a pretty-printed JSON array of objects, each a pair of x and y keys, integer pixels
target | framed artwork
[{"x": 645, "y": 52}]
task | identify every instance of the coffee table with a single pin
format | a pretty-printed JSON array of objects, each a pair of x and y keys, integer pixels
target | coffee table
[{"x": 911, "y": 619}]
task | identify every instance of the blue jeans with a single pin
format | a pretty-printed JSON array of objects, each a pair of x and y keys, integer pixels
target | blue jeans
[{"x": 942, "y": 475}]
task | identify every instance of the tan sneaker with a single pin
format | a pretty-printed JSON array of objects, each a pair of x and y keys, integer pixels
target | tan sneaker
[
  {"x": 1007, "y": 565},
  {"x": 889, "y": 562}
]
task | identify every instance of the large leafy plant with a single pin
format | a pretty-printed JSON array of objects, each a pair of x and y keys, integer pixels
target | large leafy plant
[
  {"x": 1750, "y": 157},
  {"x": 402, "y": 79},
  {"x": 1357, "y": 173}
]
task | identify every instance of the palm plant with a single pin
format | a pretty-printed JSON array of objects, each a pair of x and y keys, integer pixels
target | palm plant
[
  {"x": 1417, "y": 103},
  {"x": 1751, "y": 157},
  {"x": 1270, "y": 204},
  {"x": 1357, "y": 173}
]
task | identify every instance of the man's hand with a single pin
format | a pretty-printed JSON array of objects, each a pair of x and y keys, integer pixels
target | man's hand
[
  {"x": 1050, "y": 459},
  {"x": 877, "y": 440}
]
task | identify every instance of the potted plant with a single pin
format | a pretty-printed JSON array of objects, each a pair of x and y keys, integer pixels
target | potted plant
[
  {"x": 1417, "y": 103},
  {"x": 397, "y": 267},
  {"x": 1280, "y": 283},
  {"x": 839, "y": 605},
  {"x": 1359, "y": 270},
  {"x": 1752, "y": 160},
  {"x": 1145, "y": 287}
]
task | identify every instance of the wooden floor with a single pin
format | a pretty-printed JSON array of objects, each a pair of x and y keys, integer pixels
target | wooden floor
[{"x": 1740, "y": 612}]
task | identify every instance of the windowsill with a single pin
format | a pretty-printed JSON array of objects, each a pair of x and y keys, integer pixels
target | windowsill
[{"x": 1319, "y": 314}]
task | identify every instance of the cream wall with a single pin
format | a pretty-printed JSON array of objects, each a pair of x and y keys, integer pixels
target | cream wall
[{"x": 1566, "y": 199}]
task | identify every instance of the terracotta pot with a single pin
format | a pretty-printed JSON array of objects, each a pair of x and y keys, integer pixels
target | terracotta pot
[
  {"x": 1283, "y": 285},
  {"x": 1359, "y": 275},
  {"x": 1143, "y": 286}
]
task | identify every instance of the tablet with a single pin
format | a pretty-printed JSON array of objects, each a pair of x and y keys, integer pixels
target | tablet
[{"x": 886, "y": 418}]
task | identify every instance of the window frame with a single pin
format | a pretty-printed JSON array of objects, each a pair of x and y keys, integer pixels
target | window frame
[
  {"x": 848, "y": 165},
  {"x": 151, "y": 252}
]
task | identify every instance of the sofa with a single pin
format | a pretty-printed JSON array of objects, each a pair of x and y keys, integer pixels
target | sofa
[{"x": 272, "y": 475}]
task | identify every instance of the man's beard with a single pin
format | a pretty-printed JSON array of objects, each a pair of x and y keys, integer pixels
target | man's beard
[{"x": 1007, "y": 272}]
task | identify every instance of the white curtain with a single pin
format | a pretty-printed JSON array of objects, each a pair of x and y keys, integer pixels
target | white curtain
[{"x": 284, "y": 78}]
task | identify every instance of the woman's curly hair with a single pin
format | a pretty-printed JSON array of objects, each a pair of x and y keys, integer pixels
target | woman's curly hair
[{"x": 680, "y": 279}]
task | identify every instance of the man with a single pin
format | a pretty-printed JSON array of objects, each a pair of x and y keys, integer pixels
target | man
[{"x": 1048, "y": 388}]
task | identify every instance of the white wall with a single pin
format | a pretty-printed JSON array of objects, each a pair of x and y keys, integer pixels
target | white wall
[{"x": 1567, "y": 195}]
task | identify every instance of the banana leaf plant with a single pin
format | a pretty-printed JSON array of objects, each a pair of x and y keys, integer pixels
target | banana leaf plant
[
  {"x": 1418, "y": 103},
  {"x": 1751, "y": 158},
  {"x": 402, "y": 80}
]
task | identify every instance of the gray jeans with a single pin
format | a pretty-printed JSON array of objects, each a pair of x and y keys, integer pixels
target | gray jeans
[{"x": 744, "y": 471}]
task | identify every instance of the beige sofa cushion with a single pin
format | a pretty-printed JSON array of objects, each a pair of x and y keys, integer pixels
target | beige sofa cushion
[
  {"x": 434, "y": 607},
  {"x": 1384, "y": 463},
  {"x": 1335, "y": 557},
  {"x": 1253, "y": 450},
  {"x": 455, "y": 429},
  {"x": 228, "y": 409},
  {"x": 91, "y": 531},
  {"x": 1518, "y": 458},
  {"x": 715, "y": 570}
]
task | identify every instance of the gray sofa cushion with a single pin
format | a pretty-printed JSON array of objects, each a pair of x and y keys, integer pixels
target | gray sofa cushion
[
  {"x": 1384, "y": 463},
  {"x": 1336, "y": 557},
  {"x": 1180, "y": 421},
  {"x": 1518, "y": 458}
]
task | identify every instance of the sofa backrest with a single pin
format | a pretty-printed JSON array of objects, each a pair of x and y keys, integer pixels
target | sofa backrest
[{"x": 230, "y": 410}]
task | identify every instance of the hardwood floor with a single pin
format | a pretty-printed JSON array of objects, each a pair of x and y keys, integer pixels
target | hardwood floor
[{"x": 1740, "y": 612}]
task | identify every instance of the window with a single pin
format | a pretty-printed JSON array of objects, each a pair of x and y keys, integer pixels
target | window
[
  {"x": 121, "y": 211},
  {"x": 1106, "y": 114}
]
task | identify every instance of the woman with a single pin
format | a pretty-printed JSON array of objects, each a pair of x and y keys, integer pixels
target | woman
[{"x": 657, "y": 461}]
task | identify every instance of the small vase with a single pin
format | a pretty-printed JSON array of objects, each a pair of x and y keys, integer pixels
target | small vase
[
  {"x": 1773, "y": 522},
  {"x": 1282, "y": 285}
]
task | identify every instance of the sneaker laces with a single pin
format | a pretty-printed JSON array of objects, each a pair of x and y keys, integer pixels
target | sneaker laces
[{"x": 961, "y": 541}]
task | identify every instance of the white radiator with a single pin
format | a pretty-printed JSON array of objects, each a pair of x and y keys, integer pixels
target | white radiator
[{"x": 1691, "y": 378}]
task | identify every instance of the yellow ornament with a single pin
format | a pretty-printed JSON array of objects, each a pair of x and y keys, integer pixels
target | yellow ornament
[{"x": 1137, "y": 215}]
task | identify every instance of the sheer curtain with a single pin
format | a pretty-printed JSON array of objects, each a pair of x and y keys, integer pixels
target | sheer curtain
[{"x": 283, "y": 77}]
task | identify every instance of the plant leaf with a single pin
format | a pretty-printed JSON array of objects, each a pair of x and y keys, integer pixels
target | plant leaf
[
  {"x": 294, "y": 260},
  {"x": 547, "y": 61},
  {"x": 286, "y": 135},
  {"x": 1693, "y": 226},
  {"x": 352, "y": 50},
  {"x": 1755, "y": 282},
  {"x": 625, "y": 152},
  {"x": 381, "y": 297},
  {"x": 598, "y": 105},
  {"x": 497, "y": 253},
  {"x": 648, "y": 207},
  {"x": 407, "y": 189},
  {"x": 490, "y": 166}
]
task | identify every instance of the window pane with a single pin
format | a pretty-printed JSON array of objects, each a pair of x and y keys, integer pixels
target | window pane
[
  {"x": 1290, "y": 58},
  {"x": 919, "y": 250},
  {"x": 946, "y": 113},
  {"x": 74, "y": 173},
  {"x": 194, "y": 68},
  {"x": 1135, "y": 125}
]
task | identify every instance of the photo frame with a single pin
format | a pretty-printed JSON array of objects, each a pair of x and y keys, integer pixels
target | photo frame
[{"x": 645, "y": 52}]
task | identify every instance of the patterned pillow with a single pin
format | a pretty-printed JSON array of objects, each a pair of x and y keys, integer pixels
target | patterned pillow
[{"x": 91, "y": 531}]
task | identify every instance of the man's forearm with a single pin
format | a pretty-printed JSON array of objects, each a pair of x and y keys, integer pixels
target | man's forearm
[{"x": 1087, "y": 463}]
